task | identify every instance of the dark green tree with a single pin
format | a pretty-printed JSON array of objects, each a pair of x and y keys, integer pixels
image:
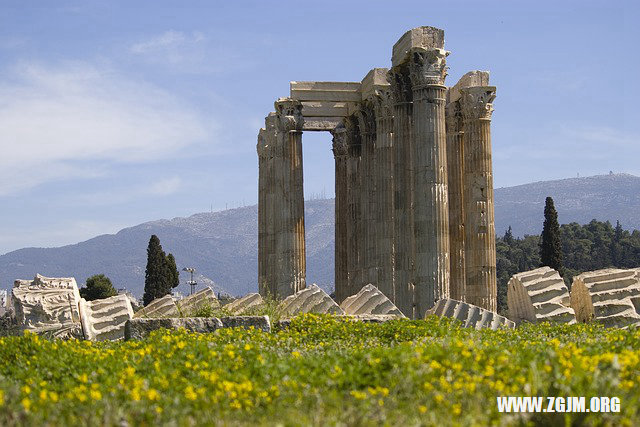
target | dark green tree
[
  {"x": 550, "y": 246},
  {"x": 161, "y": 274},
  {"x": 98, "y": 286}
]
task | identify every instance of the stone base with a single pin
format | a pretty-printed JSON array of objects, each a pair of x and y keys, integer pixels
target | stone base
[{"x": 138, "y": 329}]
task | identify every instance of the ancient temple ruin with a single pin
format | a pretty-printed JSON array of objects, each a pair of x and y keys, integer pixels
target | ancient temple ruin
[{"x": 413, "y": 181}]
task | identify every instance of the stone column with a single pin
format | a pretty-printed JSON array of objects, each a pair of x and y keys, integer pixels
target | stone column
[
  {"x": 480, "y": 244},
  {"x": 384, "y": 175},
  {"x": 354, "y": 231},
  {"x": 431, "y": 211},
  {"x": 340, "y": 154},
  {"x": 266, "y": 199},
  {"x": 455, "y": 184},
  {"x": 402, "y": 98},
  {"x": 288, "y": 206},
  {"x": 367, "y": 127}
]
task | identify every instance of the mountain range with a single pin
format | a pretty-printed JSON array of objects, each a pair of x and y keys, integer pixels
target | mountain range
[{"x": 222, "y": 246}]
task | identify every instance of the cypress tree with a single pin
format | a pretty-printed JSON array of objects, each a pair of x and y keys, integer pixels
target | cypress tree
[
  {"x": 550, "y": 247},
  {"x": 155, "y": 283},
  {"x": 172, "y": 272}
]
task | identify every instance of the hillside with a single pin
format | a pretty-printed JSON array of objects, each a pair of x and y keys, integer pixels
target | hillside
[{"x": 222, "y": 246}]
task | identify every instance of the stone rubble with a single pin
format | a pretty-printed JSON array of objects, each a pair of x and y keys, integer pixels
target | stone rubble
[
  {"x": 470, "y": 315},
  {"x": 539, "y": 295},
  {"x": 137, "y": 329},
  {"x": 309, "y": 300},
  {"x": 370, "y": 301},
  {"x": 104, "y": 319},
  {"x": 189, "y": 305},
  {"x": 159, "y": 307},
  {"x": 608, "y": 296},
  {"x": 241, "y": 305}
]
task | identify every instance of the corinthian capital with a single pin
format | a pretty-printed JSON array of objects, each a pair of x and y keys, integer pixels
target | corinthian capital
[
  {"x": 382, "y": 103},
  {"x": 401, "y": 91},
  {"x": 427, "y": 66},
  {"x": 366, "y": 118},
  {"x": 453, "y": 117},
  {"x": 477, "y": 102},
  {"x": 289, "y": 115},
  {"x": 339, "y": 141}
]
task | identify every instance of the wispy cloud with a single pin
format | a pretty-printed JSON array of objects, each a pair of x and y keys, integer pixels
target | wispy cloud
[
  {"x": 66, "y": 121},
  {"x": 169, "y": 40}
]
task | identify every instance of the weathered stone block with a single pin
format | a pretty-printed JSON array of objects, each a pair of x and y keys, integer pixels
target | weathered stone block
[
  {"x": 309, "y": 300},
  {"x": 539, "y": 295},
  {"x": 104, "y": 319},
  {"x": 470, "y": 315},
  {"x": 241, "y": 305},
  {"x": 159, "y": 307},
  {"x": 470, "y": 79},
  {"x": 188, "y": 306},
  {"x": 607, "y": 296},
  {"x": 421, "y": 37},
  {"x": 137, "y": 329},
  {"x": 48, "y": 306},
  {"x": 257, "y": 322},
  {"x": 370, "y": 301},
  {"x": 375, "y": 80}
]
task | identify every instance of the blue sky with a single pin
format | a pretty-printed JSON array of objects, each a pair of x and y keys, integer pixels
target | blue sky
[{"x": 114, "y": 113}]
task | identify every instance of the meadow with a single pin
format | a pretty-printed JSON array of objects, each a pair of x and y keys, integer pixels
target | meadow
[{"x": 321, "y": 371}]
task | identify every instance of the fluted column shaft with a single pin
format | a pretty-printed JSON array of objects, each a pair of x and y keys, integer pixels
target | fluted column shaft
[
  {"x": 455, "y": 185},
  {"x": 340, "y": 152},
  {"x": 354, "y": 223},
  {"x": 384, "y": 176},
  {"x": 431, "y": 210},
  {"x": 480, "y": 244},
  {"x": 403, "y": 188}
]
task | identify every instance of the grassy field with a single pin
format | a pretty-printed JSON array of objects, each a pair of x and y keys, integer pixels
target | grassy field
[{"x": 320, "y": 371}]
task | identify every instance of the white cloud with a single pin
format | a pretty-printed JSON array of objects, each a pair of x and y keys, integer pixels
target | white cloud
[
  {"x": 168, "y": 40},
  {"x": 184, "y": 52},
  {"x": 59, "y": 122}
]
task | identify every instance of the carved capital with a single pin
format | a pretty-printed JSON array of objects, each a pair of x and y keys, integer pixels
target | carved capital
[
  {"x": 366, "y": 118},
  {"x": 340, "y": 146},
  {"x": 289, "y": 115},
  {"x": 400, "y": 84},
  {"x": 427, "y": 66},
  {"x": 382, "y": 103},
  {"x": 453, "y": 117},
  {"x": 352, "y": 135},
  {"x": 262, "y": 145},
  {"x": 477, "y": 102}
]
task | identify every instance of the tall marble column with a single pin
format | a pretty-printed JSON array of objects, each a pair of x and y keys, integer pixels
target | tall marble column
[
  {"x": 431, "y": 210},
  {"x": 455, "y": 184},
  {"x": 266, "y": 200},
  {"x": 384, "y": 174},
  {"x": 354, "y": 223},
  {"x": 340, "y": 154},
  {"x": 402, "y": 100},
  {"x": 288, "y": 206},
  {"x": 367, "y": 127},
  {"x": 480, "y": 244}
]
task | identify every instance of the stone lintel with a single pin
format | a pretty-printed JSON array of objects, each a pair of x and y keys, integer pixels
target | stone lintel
[
  {"x": 324, "y": 109},
  {"x": 472, "y": 78},
  {"x": 330, "y": 86},
  {"x": 326, "y": 95},
  {"x": 375, "y": 79},
  {"x": 321, "y": 123},
  {"x": 422, "y": 37}
]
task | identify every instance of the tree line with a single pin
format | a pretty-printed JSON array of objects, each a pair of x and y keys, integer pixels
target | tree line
[{"x": 569, "y": 248}]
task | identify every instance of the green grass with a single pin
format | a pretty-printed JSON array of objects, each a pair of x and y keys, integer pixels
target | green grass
[{"x": 320, "y": 371}]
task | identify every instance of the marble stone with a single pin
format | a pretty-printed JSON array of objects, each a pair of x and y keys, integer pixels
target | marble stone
[
  {"x": 309, "y": 300},
  {"x": 370, "y": 301},
  {"x": 48, "y": 306},
  {"x": 606, "y": 296},
  {"x": 470, "y": 315},
  {"x": 247, "y": 302},
  {"x": 188, "y": 306},
  {"x": 104, "y": 319},
  {"x": 159, "y": 307},
  {"x": 137, "y": 329},
  {"x": 539, "y": 295}
]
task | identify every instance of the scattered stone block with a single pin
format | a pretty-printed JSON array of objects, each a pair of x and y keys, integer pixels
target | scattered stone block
[
  {"x": 607, "y": 296},
  {"x": 48, "y": 306},
  {"x": 140, "y": 328},
  {"x": 539, "y": 295},
  {"x": 370, "y": 301},
  {"x": 470, "y": 315},
  {"x": 241, "y": 305},
  {"x": 309, "y": 300},
  {"x": 257, "y": 322},
  {"x": 188, "y": 306},
  {"x": 159, "y": 308},
  {"x": 104, "y": 319}
]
